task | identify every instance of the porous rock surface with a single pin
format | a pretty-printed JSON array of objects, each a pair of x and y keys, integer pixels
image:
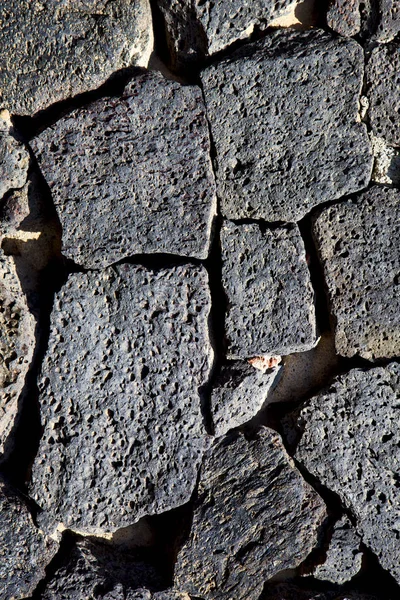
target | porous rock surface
[
  {"x": 343, "y": 558},
  {"x": 358, "y": 243},
  {"x": 123, "y": 434},
  {"x": 378, "y": 20},
  {"x": 383, "y": 81},
  {"x": 288, "y": 591},
  {"x": 344, "y": 16},
  {"x": 24, "y": 550},
  {"x": 132, "y": 175},
  {"x": 14, "y": 157},
  {"x": 238, "y": 394},
  {"x": 269, "y": 294},
  {"x": 255, "y": 516},
  {"x": 284, "y": 120},
  {"x": 58, "y": 49},
  {"x": 351, "y": 445}
]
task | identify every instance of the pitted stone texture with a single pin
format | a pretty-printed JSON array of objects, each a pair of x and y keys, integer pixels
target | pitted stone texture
[
  {"x": 343, "y": 558},
  {"x": 14, "y": 157},
  {"x": 288, "y": 591},
  {"x": 388, "y": 26},
  {"x": 269, "y": 293},
  {"x": 132, "y": 175},
  {"x": 255, "y": 516},
  {"x": 344, "y": 16},
  {"x": 378, "y": 20},
  {"x": 238, "y": 394},
  {"x": 383, "y": 81},
  {"x": 386, "y": 162},
  {"x": 24, "y": 550},
  {"x": 283, "y": 114},
  {"x": 351, "y": 444},
  {"x": 123, "y": 434},
  {"x": 358, "y": 243},
  {"x": 54, "y": 50}
]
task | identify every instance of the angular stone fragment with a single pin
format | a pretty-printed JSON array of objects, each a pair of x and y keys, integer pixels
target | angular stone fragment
[
  {"x": 386, "y": 163},
  {"x": 132, "y": 175},
  {"x": 24, "y": 550},
  {"x": 344, "y": 16},
  {"x": 284, "y": 120},
  {"x": 14, "y": 157},
  {"x": 378, "y": 20},
  {"x": 54, "y": 50},
  {"x": 343, "y": 557},
  {"x": 238, "y": 394},
  {"x": 383, "y": 81},
  {"x": 359, "y": 247},
  {"x": 288, "y": 591},
  {"x": 268, "y": 289},
  {"x": 351, "y": 443},
  {"x": 123, "y": 434},
  {"x": 255, "y": 516}
]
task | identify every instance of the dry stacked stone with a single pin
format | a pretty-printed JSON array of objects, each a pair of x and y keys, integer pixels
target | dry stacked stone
[
  {"x": 376, "y": 20},
  {"x": 14, "y": 158}
]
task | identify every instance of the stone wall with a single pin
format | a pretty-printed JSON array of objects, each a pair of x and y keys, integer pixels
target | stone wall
[{"x": 199, "y": 300}]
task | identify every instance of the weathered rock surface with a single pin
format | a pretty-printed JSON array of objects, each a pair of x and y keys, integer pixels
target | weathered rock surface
[
  {"x": 14, "y": 157},
  {"x": 378, "y": 20},
  {"x": 284, "y": 120},
  {"x": 386, "y": 162},
  {"x": 344, "y": 16},
  {"x": 383, "y": 81},
  {"x": 54, "y": 50},
  {"x": 268, "y": 288},
  {"x": 288, "y": 591},
  {"x": 343, "y": 557},
  {"x": 358, "y": 243},
  {"x": 24, "y": 550},
  {"x": 254, "y": 517},
  {"x": 123, "y": 433},
  {"x": 132, "y": 175},
  {"x": 351, "y": 443},
  {"x": 238, "y": 394}
]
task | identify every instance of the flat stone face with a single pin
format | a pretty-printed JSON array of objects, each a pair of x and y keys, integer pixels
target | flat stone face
[
  {"x": 132, "y": 175},
  {"x": 344, "y": 16},
  {"x": 268, "y": 289},
  {"x": 24, "y": 550},
  {"x": 358, "y": 243},
  {"x": 14, "y": 157},
  {"x": 351, "y": 443},
  {"x": 123, "y": 432},
  {"x": 378, "y": 20},
  {"x": 343, "y": 557},
  {"x": 288, "y": 591},
  {"x": 255, "y": 516},
  {"x": 238, "y": 394},
  {"x": 58, "y": 49},
  {"x": 383, "y": 81},
  {"x": 284, "y": 120}
]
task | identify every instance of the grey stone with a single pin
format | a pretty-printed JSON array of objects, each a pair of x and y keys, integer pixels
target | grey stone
[
  {"x": 386, "y": 162},
  {"x": 376, "y": 20},
  {"x": 54, "y": 50},
  {"x": 238, "y": 394},
  {"x": 344, "y": 16},
  {"x": 14, "y": 157},
  {"x": 119, "y": 392},
  {"x": 24, "y": 550},
  {"x": 289, "y": 591},
  {"x": 388, "y": 26},
  {"x": 268, "y": 288},
  {"x": 351, "y": 444},
  {"x": 285, "y": 123},
  {"x": 255, "y": 516},
  {"x": 358, "y": 243},
  {"x": 383, "y": 81},
  {"x": 133, "y": 174},
  {"x": 343, "y": 558}
]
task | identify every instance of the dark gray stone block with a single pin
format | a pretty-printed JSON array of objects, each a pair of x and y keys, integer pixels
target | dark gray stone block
[
  {"x": 54, "y": 50},
  {"x": 344, "y": 16},
  {"x": 24, "y": 550},
  {"x": 351, "y": 444},
  {"x": 132, "y": 175},
  {"x": 119, "y": 392},
  {"x": 14, "y": 157},
  {"x": 343, "y": 557},
  {"x": 268, "y": 289},
  {"x": 383, "y": 81},
  {"x": 285, "y": 123},
  {"x": 289, "y": 591},
  {"x": 358, "y": 243},
  {"x": 376, "y": 20},
  {"x": 255, "y": 516}
]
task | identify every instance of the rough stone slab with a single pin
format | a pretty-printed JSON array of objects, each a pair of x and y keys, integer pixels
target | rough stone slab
[
  {"x": 14, "y": 157},
  {"x": 359, "y": 247},
  {"x": 389, "y": 22},
  {"x": 238, "y": 394},
  {"x": 132, "y": 175},
  {"x": 24, "y": 550},
  {"x": 383, "y": 81},
  {"x": 344, "y": 16},
  {"x": 343, "y": 558},
  {"x": 288, "y": 591},
  {"x": 268, "y": 289},
  {"x": 376, "y": 20},
  {"x": 123, "y": 432},
  {"x": 284, "y": 120},
  {"x": 351, "y": 443},
  {"x": 255, "y": 516},
  {"x": 54, "y": 50},
  {"x": 386, "y": 163}
]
